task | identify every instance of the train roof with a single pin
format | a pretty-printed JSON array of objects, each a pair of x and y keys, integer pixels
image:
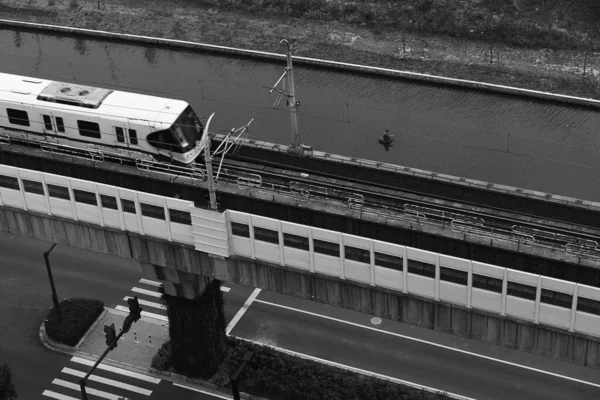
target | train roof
[{"x": 90, "y": 100}]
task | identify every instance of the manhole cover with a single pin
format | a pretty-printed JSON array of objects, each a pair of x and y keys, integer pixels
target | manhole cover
[{"x": 376, "y": 320}]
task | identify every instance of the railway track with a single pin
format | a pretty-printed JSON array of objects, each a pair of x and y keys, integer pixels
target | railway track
[{"x": 358, "y": 197}]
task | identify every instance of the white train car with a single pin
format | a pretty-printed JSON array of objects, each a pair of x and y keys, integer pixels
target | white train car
[{"x": 113, "y": 122}]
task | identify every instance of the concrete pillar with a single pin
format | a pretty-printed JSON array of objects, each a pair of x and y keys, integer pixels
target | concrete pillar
[
  {"x": 311, "y": 250},
  {"x": 405, "y": 270},
  {"x": 437, "y": 277},
  {"x": 372, "y": 263},
  {"x": 504, "y": 290},
  {"x": 574, "y": 307},
  {"x": 167, "y": 219},
  {"x": 281, "y": 242},
  {"x": 120, "y": 209},
  {"x": 138, "y": 213},
  {"x": 251, "y": 230},
  {"x": 470, "y": 284},
  {"x": 538, "y": 297},
  {"x": 72, "y": 196},
  {"x": 99, "y": 204},
  {"x": 22, "y": 189},
  {"x": 227, "y": 225},
  {"x": 46, "y": 194},
  {"x": 342, "y": 258}
]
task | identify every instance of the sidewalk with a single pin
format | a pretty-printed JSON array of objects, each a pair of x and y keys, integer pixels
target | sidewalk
[{"x": 134, "y": 351}]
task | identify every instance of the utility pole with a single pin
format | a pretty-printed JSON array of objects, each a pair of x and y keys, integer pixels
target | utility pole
[
  {"x": 206, "y": 142},
  {"x": 54, "y": 296},
  {"x": 295, "y": 145}
]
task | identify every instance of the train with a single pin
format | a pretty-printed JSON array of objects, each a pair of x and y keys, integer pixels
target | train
[{"x": 118, "y": 123}]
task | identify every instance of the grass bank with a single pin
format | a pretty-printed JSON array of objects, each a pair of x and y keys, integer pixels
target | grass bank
[{"x": 542, "y": 45}]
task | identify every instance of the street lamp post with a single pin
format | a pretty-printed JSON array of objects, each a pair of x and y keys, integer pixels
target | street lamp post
[
  {"x": 54, "y": 296},
  {"x": 236, "y": 375}
]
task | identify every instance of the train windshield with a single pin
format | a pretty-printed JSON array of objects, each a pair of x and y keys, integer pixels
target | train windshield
[{"x": 187, "y": 128}]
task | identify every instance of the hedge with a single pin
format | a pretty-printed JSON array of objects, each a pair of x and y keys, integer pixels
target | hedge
[
  {"x": 278, "y": 376},
  {"x": 7, "y": 387},
  {"x": 77, "y": 315}
]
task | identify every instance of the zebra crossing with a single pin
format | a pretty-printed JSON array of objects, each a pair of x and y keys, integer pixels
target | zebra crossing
[
  {"x": 149, "y": 298},
  {"x": 107, "y": 382}
]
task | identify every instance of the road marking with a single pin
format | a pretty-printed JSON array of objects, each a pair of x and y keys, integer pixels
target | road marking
[
  {"x": 203, "y": 392},
  {"x": 147, "y": 303},
  {"x": 58, "y": 396},
  {"x": 146, "y": 292},
  {"x": 432, "y": 344},
  {"x": 151, "y": 283},
  {"x": 145, "y": 314},
  {"x": 242, "y": 311},
  {"x": 90, "y": 391},
  {"x": 362, "y": 371},
  {"x": 116, "y": 370},
  {"x": 225, "y": 289},
  {"x": 106, "y": 381}
]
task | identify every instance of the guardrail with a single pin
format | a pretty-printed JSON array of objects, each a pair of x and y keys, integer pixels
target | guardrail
[{"x": 471, "y": 284}]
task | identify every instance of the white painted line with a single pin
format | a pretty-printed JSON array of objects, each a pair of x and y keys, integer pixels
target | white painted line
[
  {"x": 151, "y": 283},
  {"x": 242, "y": 311},
  {"x": 106, "y": 381},
  {"x": 116, "y": 370},
  {"x": 146, "y": 292},
  {"x": 203, "y": 392},
  {"x": 432, "y": 344},
  {"x": 362, "y": 371},
  {"x": 58, "y": 396},
  {"x": 225, "y": 289},
  {"x": 145, "y": 314},
  {"x": 90, "y": 391},
  {"x": 147, "y": 303}
]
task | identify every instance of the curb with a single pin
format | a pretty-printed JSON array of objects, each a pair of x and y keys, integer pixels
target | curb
[
  {"x": 305, "y": 60},
  {"x": 53, "y": 345},
  {"x": 168, "y": 376}
]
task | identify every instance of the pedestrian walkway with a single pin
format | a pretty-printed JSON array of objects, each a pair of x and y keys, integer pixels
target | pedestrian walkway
[
  {"x": 107, "y": 382},
  {"x": 115, "y": 378},
  {"x": 149, "y": 298}
]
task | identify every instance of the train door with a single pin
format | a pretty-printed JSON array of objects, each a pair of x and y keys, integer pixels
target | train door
[
  {"x": 131, "y": 137},
  {"x": 54, "y": 129}
]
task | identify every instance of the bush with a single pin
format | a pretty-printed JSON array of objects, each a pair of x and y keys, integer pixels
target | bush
[
  {"x": 276, "y": 375},
  {"x": 7, "y": 387},
  {"x": 77, "y": 317},
  {"x": 162, "y": 360}
]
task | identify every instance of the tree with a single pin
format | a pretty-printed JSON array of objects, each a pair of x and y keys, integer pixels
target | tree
[{"x": 7, "y": 387}]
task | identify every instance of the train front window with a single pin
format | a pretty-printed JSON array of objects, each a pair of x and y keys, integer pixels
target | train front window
[{"x": 187, "y": 128}]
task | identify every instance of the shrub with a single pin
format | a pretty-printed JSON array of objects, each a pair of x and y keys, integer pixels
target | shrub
[
  {"x": 77, "y": 315},
  {"x": 7, "y": 387},
  {"x": 162, "y": 360},
  {"x": 276, "y": 375}
]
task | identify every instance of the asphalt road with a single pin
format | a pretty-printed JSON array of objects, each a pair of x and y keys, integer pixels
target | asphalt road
[
  {"x": 475, "y": 134},
  {"x": 344, "y": 338}
]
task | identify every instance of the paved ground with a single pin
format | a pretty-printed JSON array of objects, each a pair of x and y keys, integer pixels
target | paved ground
[{"x": 390, "y": 348}]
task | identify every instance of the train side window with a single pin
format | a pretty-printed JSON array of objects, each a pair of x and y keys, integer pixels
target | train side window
[
  {"x": 133, "y": 136},
  {"x": 89, "y": 129},
  {"x": 47, "y": 122},
  {"x": 120, "y": 134},
  {"x": 60, "y": 125},
  {"x": 17, "y": 117}
]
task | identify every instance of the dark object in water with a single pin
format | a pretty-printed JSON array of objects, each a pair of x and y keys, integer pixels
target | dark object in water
[{"x": 387, "y": 138}]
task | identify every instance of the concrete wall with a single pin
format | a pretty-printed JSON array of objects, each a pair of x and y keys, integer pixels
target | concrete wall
[{"x": 182, "y": 268}]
